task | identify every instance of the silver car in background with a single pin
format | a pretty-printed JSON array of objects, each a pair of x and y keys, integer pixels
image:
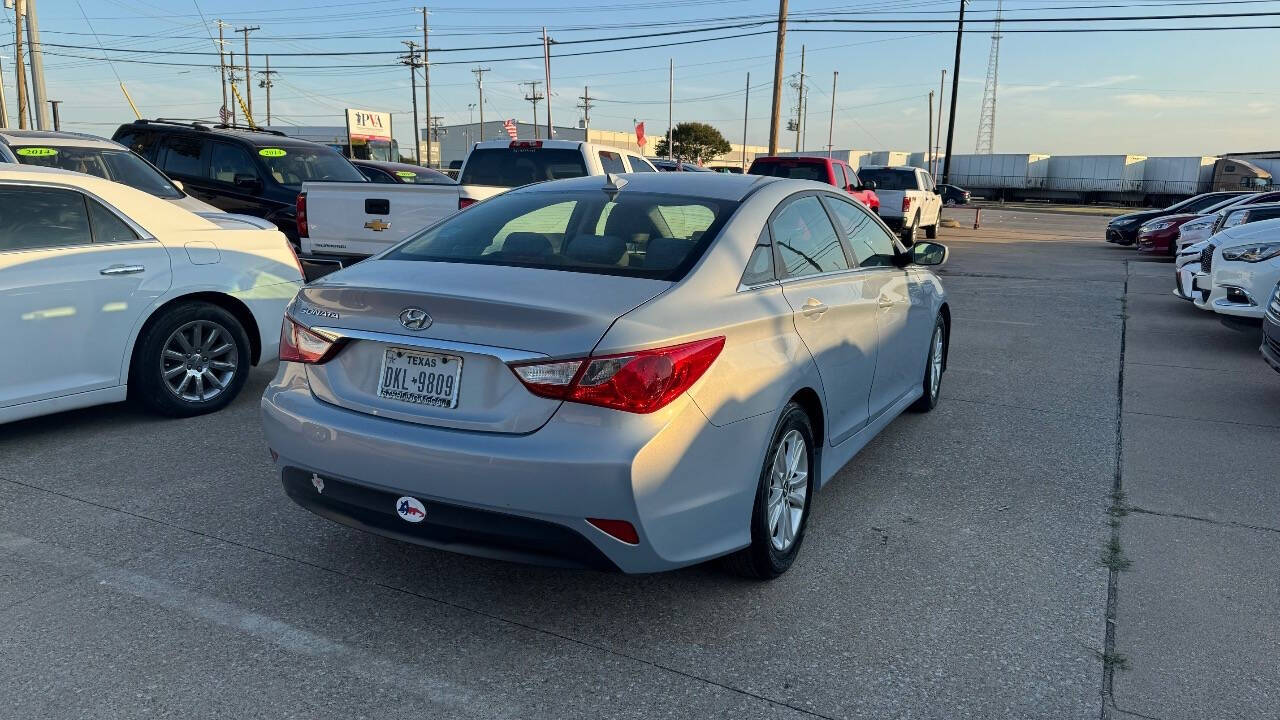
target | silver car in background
[{"x": 633, "y": 372}]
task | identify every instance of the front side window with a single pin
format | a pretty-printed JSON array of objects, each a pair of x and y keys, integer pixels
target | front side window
[
  {"x": 871, "y": 245},
  {"x": 806, "y": 241},
  {"x": 182, "y": 156},
  {"x": 611, "y": 162},
  {"x": 633, "y": 234},
  {"x": 32, "y": 217},
  {"x": 227, "y": 162}
]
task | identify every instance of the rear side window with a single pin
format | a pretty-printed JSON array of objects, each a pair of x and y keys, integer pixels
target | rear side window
[
  {"x": 760, "y": 264},
  {"x": 871, "y": 245},
  {"x": 1262, "y": 214},
  {"x": 182, "y": 156},
  {"x": 503, "y": 167},
  {"x": 107, "y": 227},
  {"x": 42, "y": 217},
  {"x": 140, "y": 141},
  {"x": 611, "y": 162},
  {"x": 632, "y": 234},
  {"x": 374, "y": 175},
  {"x": 790, "y": 169},
  {"x": 806, "y": 241},
  {"x": 639, "y": 164}
]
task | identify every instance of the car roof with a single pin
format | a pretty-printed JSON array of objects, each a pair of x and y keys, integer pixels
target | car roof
[
  {"x": 153, "y": 213},
  {"x": 1252, "y": 232},
  {"x": 549, "y": 144},
  {"x": 719, "y": 186},
  {"x": 56, "y": 137},
  {"x": 257, "y": 138},
  {"x": 1232, "y": 210}
]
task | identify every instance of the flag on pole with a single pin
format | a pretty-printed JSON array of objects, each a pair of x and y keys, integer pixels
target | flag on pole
[
  {"x": 223, "y": 114},
  {"x": 640, "y": 135},
  {"x": 510, "y": 127}
]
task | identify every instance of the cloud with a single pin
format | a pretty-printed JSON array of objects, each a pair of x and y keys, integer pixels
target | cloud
[
  {"x": 1110, "y": 80},
  {"x": 1151, "y": 101}
]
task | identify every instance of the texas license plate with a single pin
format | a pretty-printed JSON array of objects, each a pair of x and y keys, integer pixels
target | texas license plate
[{"x": 420, "y": 378}]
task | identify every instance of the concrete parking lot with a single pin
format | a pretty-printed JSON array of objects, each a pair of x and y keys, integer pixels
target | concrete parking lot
[{"x": 1085, "y": 527}]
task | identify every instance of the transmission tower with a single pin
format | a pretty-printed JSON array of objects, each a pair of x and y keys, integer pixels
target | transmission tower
[{"x": 987, "y": 121}]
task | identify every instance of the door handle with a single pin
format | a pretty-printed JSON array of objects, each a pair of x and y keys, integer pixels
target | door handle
[
  {"x": 122, "y": 270},
  {"x": 813, "y": 308},
  {"x": 886, "y": 303}
]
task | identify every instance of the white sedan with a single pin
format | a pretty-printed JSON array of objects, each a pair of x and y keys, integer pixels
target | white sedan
[
  {"x": 1242, "y": 270},
  {"x": 107, "y": 292}
]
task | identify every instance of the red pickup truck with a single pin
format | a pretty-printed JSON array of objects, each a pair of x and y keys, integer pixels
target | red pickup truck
[{"x": 822, "y": 169}]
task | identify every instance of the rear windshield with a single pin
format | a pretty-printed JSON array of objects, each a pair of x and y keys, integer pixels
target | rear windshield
[
  {"x": 118, "y": 165},
  {"x": 794, "y": 169},
  {"x": 513, "y": 167},
  {"x": 890, "y": 179},
  {"x": 634, "y": 234},
  {"x": 294, "y": 165}
]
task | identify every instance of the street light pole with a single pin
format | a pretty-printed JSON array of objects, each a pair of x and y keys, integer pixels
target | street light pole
[{"x": 831, "y": 126}]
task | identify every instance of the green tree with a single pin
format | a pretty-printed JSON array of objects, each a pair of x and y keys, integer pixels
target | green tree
[{"x": 694, "y": 142}]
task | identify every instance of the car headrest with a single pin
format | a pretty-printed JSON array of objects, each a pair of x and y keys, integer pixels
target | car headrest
[
  {"x": 597, "y": 249},
  {"x": 665, "y": 252},
  {"x": 527, "y": 244}
]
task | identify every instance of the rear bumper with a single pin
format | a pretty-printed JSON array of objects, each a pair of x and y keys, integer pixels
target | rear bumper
[
  {"x": 687, "y": 486},
  {"x": 894, "y": 223}
]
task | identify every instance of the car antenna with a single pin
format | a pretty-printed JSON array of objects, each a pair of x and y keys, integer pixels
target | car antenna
[{"x": 612, "y": 184}]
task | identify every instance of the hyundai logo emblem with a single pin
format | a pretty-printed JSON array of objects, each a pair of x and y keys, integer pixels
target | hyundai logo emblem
[{"x": 415, "y": 318}]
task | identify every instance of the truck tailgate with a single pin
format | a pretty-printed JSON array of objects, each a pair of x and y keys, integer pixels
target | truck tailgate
[
  {"x": 361, "y": 219},
  {"x": 890, "y": 202}
]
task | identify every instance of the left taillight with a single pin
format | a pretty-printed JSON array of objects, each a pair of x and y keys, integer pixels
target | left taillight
[
  {"x": 640, "y": 382},
  {"x": 300, "y": 208},
  {"x": 298, "y": 344},
  {"x": 906, "y": 204}
]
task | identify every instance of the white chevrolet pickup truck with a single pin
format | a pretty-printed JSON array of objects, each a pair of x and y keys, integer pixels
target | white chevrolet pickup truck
[
  {"x": 909, "y": 200},
  {"x": 342, "y": 223}
]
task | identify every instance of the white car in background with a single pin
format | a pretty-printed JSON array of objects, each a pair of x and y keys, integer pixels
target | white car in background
[
  {"x": 108, "y": 292},
  {"x": 95, "y": 156},
  {"x": 1239, "y": 269}
]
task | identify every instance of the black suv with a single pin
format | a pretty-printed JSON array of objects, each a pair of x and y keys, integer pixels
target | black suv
[{"x": 252, "y": 172}]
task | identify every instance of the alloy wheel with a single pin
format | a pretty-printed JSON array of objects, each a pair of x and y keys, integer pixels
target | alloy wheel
[
  {"x": 199, "y": 361},
  {"x": 935, "y": 362},
  {"x": 788, "y": 489}
]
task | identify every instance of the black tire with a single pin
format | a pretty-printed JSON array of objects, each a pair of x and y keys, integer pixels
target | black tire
[
  {"x": 761, "y": 560},
  {"x": 909, "y": 231},
  {"x": 932, "y": 390},
  {"x": 147, "y": 385},
  {"x": 931, "y": 232}
]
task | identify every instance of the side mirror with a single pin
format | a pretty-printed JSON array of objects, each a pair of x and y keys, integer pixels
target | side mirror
[
  {"x": 929, "y": 253},
  {"x": 868, "y": 185},
  {"x": 247, "y": 181},
  {"x": 178, "y": 184}
]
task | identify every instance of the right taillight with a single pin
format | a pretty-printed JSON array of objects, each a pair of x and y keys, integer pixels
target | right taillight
[
  {"x": 464, "y": 203},
  {"x": 640, "y": 382},
  {"x": 906, "y": 204},
  {"x": 298, "y": 344},
  {"x": 301, "y": 204}
]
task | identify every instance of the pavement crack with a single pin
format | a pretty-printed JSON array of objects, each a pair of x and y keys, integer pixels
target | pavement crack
[
  {"x": 1116, "y": 510},
  {"x": 1198, "y": 518},
  {"x": 1025, "y": 407},
  {"x": 1207, "y": 420},
  {"x": 429, "y": 598}
]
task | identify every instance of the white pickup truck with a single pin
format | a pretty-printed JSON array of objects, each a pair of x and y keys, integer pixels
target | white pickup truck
[
  {"x": 342, "y": 223},
  {"x": 909, "y": 200}
]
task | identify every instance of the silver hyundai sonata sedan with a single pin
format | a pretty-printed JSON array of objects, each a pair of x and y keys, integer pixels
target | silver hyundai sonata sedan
[{"x": 633, "y": 372}]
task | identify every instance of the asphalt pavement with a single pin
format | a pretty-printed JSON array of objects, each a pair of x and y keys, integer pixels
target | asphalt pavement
[{"x": 954, "y": 569}]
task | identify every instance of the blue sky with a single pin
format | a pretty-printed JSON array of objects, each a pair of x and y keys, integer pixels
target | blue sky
[{"x": 1168, "y": 93}]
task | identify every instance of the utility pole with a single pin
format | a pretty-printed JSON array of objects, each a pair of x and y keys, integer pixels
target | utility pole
[
  {"x": 937, "y": 136},
  {"x": 231, "y": 79},
  {"x": 57, "y": 119},
  {"x": 776, "y": 113},
  {"x": 433, "y": 132},
  {"x": 471, "y": 120},
  {"x": 412, "y": 61},
  {"x": 955, "y": 87},
  {"x": 426, "y": 85},
  {"x": 534, "y": 96},
  {"x": 479, "y": 73},
  {"x": 22, "y": 68},
  {"x": 671, "y": 81},
  {"x": 746, "y": 106},
  {"x": 248, "y": 76},
  {"x": 800, "y": 102},
  {"x": 222, "y": 70},
  {"x": 266, "y": 83},
  {"x": 831, "y": 126},
  {"x": 38, "y": 90},
  {"x": 4, "y": 106},
  {"x": 928, "y": 135},
  {"x": 546, "y": 62},
  {"x": 586, "y": 112}
]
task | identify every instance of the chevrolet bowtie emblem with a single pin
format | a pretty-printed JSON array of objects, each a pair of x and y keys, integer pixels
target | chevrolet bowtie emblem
[{"x": 377, "y": 225}]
